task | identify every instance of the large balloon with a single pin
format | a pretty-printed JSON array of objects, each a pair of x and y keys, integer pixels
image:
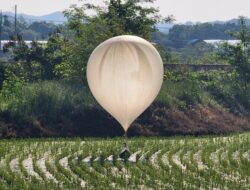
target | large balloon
[{"x": 125, "y": 74}]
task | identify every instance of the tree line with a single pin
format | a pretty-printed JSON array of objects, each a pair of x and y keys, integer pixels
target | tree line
[
  {"x": 39, "y": 30},
  {"x": 202, "y": 31},
  {"x": 69, "y": 46},
  {"x": 46, "y": 88}
]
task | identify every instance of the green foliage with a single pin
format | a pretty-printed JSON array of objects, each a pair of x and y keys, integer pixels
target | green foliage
[
  {"x": 2, "y": 73},
  {"x": 197, "y": 53},
  {"x": 6, "y": 21},
  {"x": 226, "y": 91},
  {"x": 117, "y": 18},
  {"x": 185, "y": 89},
  {"x": 14, "y": 78},
  {"x": 59, "y": 103},
  {"x": 43, "y": 28},
  {"x": 167, "y": 56},
  {"x": 36, "y": 62},
  {"x": 182, "y": 90},
  {"x": 214, "y": 162},
  {"x": 239, "y": 55},
  {"x": 45, "y": 99},
  {"x": 34, "y": 30},
  {"x": 31, "y": 96},
  {"x": 131, "y": 17},
  {"x": 18, "y": 47},
  {"x": 193, "y": 51},
  {"x": 182, "y": 33}
]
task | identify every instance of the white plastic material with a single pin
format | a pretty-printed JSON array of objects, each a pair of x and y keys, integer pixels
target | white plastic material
[{"x": 125, "y": 74}]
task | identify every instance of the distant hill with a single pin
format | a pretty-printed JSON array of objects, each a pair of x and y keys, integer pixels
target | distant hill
[
  {"x": 56, "y": 17},
  {"x": 31, "y": 27},
  {"x": 231, "y": 21},
  {"x": 164, "y": 28}
]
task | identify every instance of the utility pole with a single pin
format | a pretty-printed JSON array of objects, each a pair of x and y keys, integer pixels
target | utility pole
[
  {"x": 15, "y": 20},
  {"x": 1, "y": 23}
]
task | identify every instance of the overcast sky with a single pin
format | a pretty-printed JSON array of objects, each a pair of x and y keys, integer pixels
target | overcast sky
[{"x": 183, "y": 10}]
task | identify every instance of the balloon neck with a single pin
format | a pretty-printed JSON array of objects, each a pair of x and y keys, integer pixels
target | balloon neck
[{"x": 125, "y": 134}]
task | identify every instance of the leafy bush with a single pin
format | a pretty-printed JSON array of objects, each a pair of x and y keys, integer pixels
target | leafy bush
[
  {"x": 48, "y": 99},
  {"x": 55, "y": 108},
  {"x": 51, "y": 99},
  {"x": 182, "y": 90},
  {"x": 66, "y": 105},
  {"x": 2, "y": 71}
]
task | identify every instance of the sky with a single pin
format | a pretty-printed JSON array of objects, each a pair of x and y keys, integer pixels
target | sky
[{"x": 183, "y": 10}]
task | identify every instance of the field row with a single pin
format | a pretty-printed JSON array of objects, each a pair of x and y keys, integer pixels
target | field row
[{"x": 155, "y": 163}]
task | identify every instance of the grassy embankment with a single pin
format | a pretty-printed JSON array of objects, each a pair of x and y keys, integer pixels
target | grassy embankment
[{"x": 188, "y": 103}]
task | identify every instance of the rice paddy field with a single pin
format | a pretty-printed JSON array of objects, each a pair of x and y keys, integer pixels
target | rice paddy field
[{"x": 215, "y": 162}]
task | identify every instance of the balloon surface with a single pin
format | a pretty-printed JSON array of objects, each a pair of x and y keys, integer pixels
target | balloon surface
[{"x": 125, "y": 74}]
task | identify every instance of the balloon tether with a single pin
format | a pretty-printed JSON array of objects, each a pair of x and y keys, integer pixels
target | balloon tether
[{"x": 125, "y": 134}]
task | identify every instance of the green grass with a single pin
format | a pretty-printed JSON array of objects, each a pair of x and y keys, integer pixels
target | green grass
[
  {"x": 51, "y": 99},
  {"x": 215, "y": 162},
  {"x": 47, "y": 98},
  {"x": 63, "y": 105}
]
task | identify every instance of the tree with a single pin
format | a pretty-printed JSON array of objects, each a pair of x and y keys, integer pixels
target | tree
[
  {"x": 116, "y": 18},
  {"x": 18, "y": 47},
  {"x": 6, "y": 21},
  {"x": 29, "y": 31},
  {"x": 183, "y": 33},
  {"x": 38, "y": 61},
  {"x": 239, "y": 55},
  {"x": 43, "y": 28}
]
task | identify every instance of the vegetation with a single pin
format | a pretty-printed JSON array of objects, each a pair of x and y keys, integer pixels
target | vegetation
[
  {"x": 197, "y": 53},
  {"x": 46, "y": 94},
  {"x": 117, "y": 18},
  {"x": 36, "y": 62},
  {"x": 168, "y": 163},
  {"x": 239, "y": 55},
  {"x": 29, "y": 31},
  {"x": 186, "y": 41},
  {"x": 202, "y": 31},
  {"x": 61, "y": 108}
]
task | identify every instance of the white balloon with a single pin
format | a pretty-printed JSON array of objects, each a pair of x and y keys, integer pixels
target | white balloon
[{"x": 125, "y": 74}]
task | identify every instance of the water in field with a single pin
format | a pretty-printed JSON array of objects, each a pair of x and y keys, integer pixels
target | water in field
[
  {"x": 28, "y": 42},
  {"x": 216, "y": 42},
  {"x": 155, "y": 163}
]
